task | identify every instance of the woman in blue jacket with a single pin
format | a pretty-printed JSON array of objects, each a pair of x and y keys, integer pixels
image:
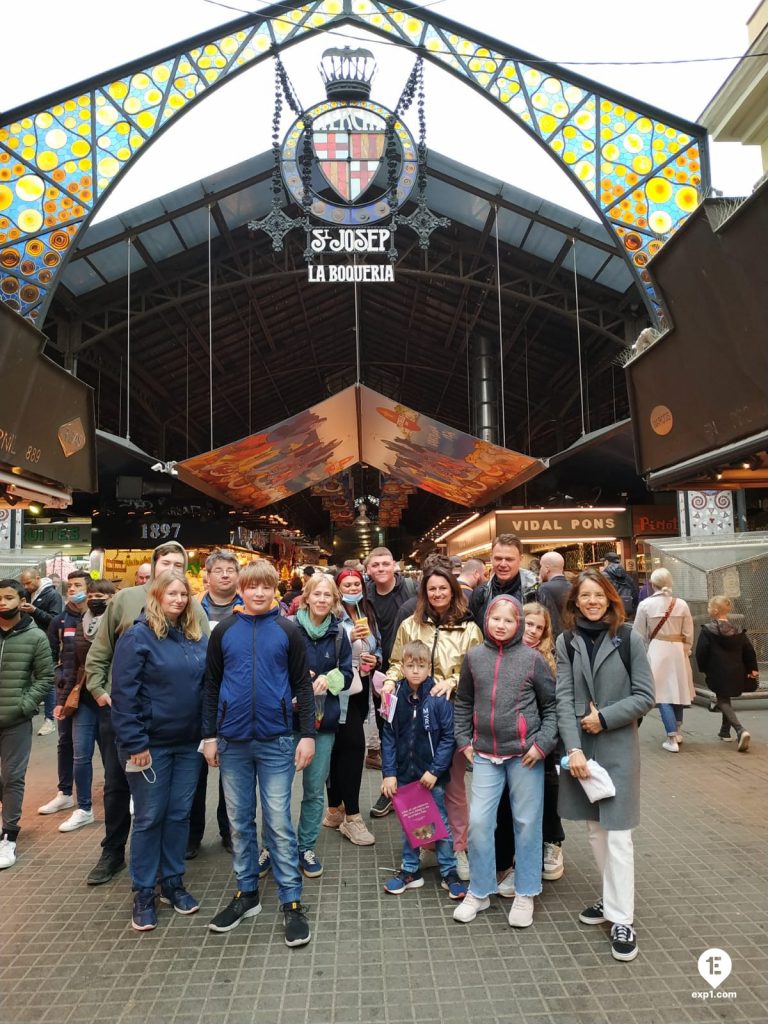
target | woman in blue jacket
[
  {"x": 157, "y": 685},
  {"x": 329, "y": 656}
]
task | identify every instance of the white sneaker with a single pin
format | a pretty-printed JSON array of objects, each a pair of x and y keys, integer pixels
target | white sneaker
[
  {"x": 521, "y": 914},
  {"x": 7, "y": 853},
  {"x": 77, "y": 819},
  {"x": 47, "y": 727},
  {"x": 554, "y": 865},
  {"x": 59, "y": 803},
  {"x": 670, "y": 744},
  {"x": 470, "y": 908},
  {"x": 462, "y": 865},
  {"x": 507, "y": 885}
]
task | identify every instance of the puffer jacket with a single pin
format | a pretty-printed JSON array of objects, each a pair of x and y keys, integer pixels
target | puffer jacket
[
  {"x": 505, "y": 703},
  {"x": 724, "y": 653},
  {"x": 26, "y": 671},
  {"x": 448, "y": 646},
  {"x": 420, "y": 737}
]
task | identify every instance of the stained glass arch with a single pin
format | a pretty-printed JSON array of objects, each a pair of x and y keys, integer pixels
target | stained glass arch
[{"x": 643, "y": 170}]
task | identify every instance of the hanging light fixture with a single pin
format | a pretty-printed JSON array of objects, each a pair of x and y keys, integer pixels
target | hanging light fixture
[{"x": 362, "y": 516}]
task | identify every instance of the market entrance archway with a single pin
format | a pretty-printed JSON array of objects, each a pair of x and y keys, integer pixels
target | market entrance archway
[{"x": 642, "y": 170}]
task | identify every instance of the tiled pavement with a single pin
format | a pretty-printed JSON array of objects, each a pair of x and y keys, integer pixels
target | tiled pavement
[{"x": 67, "y": 952}]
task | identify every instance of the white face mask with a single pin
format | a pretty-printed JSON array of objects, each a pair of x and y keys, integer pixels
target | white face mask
[{"x": 132, "y": 768}]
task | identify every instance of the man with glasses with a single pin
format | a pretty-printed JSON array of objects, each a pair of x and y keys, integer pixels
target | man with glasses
[
  {"x": 221, "y": 597},
  {"x": 219, "y": 601}
]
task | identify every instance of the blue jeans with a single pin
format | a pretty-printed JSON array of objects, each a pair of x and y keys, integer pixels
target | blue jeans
[
  {"x": 446, "y": 858},
  {"x": 526, "y": 798},
  {"x": 65, "y": 756},
  {"x": 269, "y": 763},
  {"x": 161, "y": 813},
  {"x": 49, "y": 703},
  {"x": 313, "y": 781},
  {"x": 85, "y": 735},
  {"x": 671, "y": 716}
]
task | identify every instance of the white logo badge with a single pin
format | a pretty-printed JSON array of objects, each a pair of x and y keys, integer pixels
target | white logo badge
[{"x": 714, "y": 966}]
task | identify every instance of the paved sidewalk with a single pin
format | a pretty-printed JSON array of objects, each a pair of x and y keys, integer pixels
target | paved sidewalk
[{"x": 67, "y": 952}]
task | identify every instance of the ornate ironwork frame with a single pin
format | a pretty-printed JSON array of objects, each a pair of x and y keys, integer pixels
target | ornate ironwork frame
[{"x": 643, "y": 170}]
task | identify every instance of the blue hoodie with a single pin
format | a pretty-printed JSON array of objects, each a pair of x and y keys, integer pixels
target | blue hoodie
[{"x": 157, "y": 688}]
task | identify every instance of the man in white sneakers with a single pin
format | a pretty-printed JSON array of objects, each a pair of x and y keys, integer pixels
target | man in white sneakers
[{"x": 26, "y": 675}]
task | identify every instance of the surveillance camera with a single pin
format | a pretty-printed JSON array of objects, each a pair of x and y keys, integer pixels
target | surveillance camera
[{"x": 158, "y": 467}]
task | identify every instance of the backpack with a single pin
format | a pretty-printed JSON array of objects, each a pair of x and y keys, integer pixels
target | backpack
[
  {"x": 625, "y": 588},
  {"x": 623, "y": 632}
]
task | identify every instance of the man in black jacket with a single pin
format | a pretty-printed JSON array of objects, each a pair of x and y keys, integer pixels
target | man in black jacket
[
  {"x": 387, "y": 591},
  {"x": 624, "y": 584},
  {"x": 554, "y": 589},
  {"x": 508, "y": 577}
]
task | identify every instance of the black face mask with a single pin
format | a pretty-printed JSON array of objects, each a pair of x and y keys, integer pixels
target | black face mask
[
  {"x": 9, "y": 613},
  {"x": 98, "y": 606}
]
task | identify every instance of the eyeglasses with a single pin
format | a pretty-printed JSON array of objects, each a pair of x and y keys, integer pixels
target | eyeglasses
[{"x": 223, "y": 572}]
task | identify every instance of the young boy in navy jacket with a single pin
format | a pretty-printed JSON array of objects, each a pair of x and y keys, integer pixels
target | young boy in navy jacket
[
  {"x": 418, "y": 746},
  {"x": 256, "y": 665}
]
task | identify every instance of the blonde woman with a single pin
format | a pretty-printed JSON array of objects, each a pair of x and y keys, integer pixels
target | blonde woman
[
  {"x": 725, "y": 655},
  {"x": 664, "y": 622},
  {"x": 157, "y": 685},
  {"x": 329, "y": 657}
]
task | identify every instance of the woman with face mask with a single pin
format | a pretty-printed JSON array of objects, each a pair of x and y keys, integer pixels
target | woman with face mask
[
  {"x": 85, "y": 718},
  {"x": 348, "y": 754},
  {"x": 61, "y": 636}
]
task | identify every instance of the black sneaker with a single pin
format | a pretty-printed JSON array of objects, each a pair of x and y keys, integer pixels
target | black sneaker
[
  {"x": 107, "y": 867},
  {"x": 226, "y": 842},
  {"x": 623, "y": 942},
  {"x": 382, "y": 807},
  {"x": 593, "y": 914},
  {"x": 192, "y": 850},
  {"x": 296, "y": 924},
  {"x": 242, "y": 904}
]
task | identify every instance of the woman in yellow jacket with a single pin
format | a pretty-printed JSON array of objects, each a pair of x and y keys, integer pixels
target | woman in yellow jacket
[{"x": 442, "y": 621}]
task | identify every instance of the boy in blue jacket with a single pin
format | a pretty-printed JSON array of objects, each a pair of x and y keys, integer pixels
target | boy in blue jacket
[
  {"x": 417, "y": 746},
  {"x": 256, "y": 666}
]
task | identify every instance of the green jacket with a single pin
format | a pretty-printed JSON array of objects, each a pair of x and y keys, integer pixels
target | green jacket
[
  {"x": 26, "y": 671},
  {"x": 122, "y": 611}
]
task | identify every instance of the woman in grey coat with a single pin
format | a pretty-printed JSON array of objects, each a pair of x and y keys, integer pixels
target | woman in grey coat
[{"x": 602, "y": 691}]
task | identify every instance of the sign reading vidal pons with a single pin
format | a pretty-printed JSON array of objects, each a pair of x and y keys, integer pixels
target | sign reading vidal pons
[{"x": 349, "y": 163}]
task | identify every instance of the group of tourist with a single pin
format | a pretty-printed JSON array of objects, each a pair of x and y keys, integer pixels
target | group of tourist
[{"x": 507, "y": 675}]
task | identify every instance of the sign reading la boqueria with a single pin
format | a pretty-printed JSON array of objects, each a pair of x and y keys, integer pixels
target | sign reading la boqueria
[{"x": 354, "y": 242}]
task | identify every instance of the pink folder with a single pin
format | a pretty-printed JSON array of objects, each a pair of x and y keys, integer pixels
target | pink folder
[{"x": 419, "y": 814}]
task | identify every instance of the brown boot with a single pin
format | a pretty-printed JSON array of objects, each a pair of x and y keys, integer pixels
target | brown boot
[{"x": 373, "y": 760}]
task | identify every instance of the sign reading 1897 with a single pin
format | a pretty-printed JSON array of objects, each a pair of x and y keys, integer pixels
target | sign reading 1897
[
  {"x": 352, "y": 241},
  {"x": 160, "y": 531}
]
